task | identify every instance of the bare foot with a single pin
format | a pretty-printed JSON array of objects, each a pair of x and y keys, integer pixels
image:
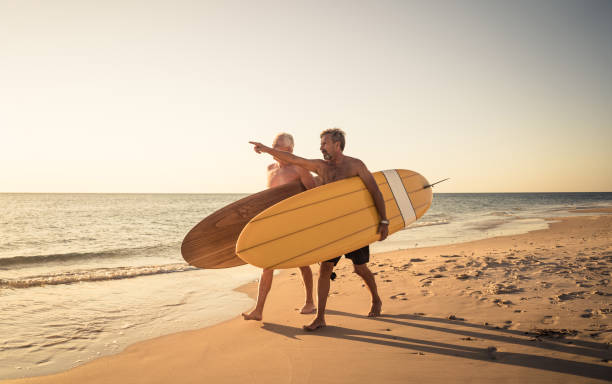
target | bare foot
[
  {"x": 254, "y": 315},
  {"x": 376, "y": 309},
  {"x": 316, "y": 324},
  {"x": 308, "y": 308}
]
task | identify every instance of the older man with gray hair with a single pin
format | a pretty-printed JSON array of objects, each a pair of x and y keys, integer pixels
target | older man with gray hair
[{"x": 280, "y": 173}]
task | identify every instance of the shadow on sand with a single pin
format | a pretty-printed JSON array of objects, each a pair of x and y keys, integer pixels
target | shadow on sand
[{"x": 594, "y": 350}]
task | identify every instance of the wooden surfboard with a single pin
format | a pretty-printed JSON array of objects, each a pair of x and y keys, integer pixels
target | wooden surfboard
[
  {"x": 211, "y": 243},
  {"x": 331, "y": 220}
]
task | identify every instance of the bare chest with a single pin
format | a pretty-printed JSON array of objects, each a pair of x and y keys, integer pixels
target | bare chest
[
  {"x": 282, "y": 175},
  {"x": 333, "y": 173}
]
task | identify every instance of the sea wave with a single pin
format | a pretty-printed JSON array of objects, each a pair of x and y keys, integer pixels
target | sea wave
[
  {"x": 99, "y": 274},
  {"x": 501, "y": 213},
  {"x": 487, "y": 225},
  {"x": 419, "y": 224},
  {"x": 594, "y": 206},
  {"x": 84, "y": 256}
]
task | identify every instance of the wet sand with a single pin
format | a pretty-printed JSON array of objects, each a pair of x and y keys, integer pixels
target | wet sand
[{"x": 524, "y": 308}]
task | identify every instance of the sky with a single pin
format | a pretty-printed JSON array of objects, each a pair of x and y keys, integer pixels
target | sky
[{"x": 164, "y": 96}]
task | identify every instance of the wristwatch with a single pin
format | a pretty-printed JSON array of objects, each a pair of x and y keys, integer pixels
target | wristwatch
[{"x": 385, "y": 222}]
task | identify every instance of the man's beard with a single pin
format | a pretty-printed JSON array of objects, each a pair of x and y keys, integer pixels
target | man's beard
[{"x": 326, "y": 155}]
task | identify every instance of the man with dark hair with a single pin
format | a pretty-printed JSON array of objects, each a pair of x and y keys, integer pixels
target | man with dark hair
[
  {"x": 336, "y": 134},
  {"x": 337, "y": 166}
]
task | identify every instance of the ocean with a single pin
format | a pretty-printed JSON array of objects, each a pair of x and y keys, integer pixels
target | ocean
[{"x": 86, "y": 275}]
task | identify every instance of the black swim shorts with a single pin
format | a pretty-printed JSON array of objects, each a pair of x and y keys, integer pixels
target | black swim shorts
[{"x": 359, "y": 256}]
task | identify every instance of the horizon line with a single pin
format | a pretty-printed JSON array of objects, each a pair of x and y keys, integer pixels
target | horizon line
[{"x": 250, "y": 193}]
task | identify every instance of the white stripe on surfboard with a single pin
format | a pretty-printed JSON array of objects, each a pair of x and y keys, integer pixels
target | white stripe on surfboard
[{"x": 401, "y": 196}]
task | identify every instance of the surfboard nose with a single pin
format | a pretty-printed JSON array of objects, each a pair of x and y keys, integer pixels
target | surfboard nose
[{"x": 421, "y": 196}]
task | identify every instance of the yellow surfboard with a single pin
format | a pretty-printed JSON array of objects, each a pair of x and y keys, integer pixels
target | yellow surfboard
[{"x": 331, "y": 220}]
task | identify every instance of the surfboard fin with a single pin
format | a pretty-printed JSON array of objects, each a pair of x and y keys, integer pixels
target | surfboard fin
[{"x": 437, "y": 182}]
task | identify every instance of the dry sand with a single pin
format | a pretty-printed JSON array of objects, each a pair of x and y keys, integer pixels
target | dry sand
[{"x": 517, "y": 309}]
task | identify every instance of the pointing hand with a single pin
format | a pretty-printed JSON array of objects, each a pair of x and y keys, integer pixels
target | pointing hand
[{"x": 258, "y": 147}]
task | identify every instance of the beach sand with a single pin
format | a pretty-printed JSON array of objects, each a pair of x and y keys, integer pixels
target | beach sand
[{"x": 525, "y": 308}]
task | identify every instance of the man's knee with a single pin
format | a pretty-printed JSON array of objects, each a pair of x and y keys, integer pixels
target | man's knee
[{"x": 361, "y": 269}]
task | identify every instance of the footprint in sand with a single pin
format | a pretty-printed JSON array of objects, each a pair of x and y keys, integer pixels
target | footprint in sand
[
  {"x": 570, "y": 296},
  {"x": 509, "y": 324},
  {"x": 550, "y": 320},
  {"x": 552, "y": 333},
  {"x": 583, "y": 284},
  {"x": 500, "y": 289},
  {"x": 503, "y": 303},
  {"x": 403, "y": 267}
]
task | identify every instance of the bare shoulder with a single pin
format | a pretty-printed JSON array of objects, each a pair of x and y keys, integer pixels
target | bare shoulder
[
  {"x": 356, "y": 164},
  {"x": 359, "y": 168},
  {"x": 300, "y": 170}
]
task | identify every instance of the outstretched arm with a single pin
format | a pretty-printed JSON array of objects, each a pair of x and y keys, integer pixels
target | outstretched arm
[
  {"x": 379, "y": 202},
  {"x": 311, "y": 165}
]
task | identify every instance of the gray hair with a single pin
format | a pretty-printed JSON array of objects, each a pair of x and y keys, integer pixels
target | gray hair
[{"x": 284, "y": 137}]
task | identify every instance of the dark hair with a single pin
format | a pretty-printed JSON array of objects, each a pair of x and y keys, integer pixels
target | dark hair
[{"x": 337, "y": 136}]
